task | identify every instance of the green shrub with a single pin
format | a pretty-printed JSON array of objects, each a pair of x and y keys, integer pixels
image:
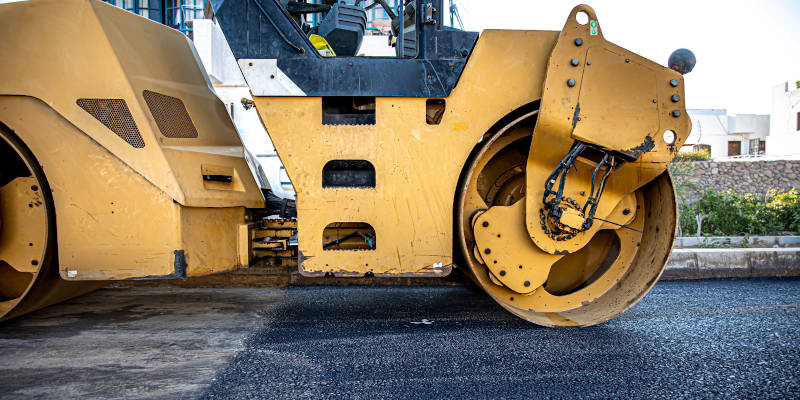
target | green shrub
[
  {"x": 700, "y": 155},
  {"x": 786, "y": 207},
  {"x": 731, "y": 214},
  {"x": 687, "y": 221}
]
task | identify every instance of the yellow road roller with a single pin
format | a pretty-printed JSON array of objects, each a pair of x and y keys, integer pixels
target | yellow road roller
[{"x": 535, "y": 162}]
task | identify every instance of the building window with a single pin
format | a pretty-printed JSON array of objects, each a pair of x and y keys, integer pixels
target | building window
[
  {"x": 734, "y": 148},
  {"x": 757, "y": 147}
]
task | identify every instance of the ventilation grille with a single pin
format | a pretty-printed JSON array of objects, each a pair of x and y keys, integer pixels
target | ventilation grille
[
  {"x": 170, "y": 114},
  {"x": 114, "y": 114}
]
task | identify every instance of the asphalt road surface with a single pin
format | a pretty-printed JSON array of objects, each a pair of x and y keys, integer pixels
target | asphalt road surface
[{"x": 686, "y": 339}]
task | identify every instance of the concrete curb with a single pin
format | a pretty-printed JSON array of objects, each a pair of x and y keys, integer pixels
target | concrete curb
[
  {"x": 702, "y": 263},
  {"x": 730, "y": 241}
]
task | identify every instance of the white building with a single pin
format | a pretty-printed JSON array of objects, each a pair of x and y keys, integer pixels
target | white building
[
  {"x": 722, "y": 135},
  {"x": 784, "y": 130},
  {"x": 751, "y": 131},
  {"x": 709, "y": 132}
]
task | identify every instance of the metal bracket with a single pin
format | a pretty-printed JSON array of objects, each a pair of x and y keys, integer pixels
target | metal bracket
[
  {"x": 507, "y": 251},
  {"x": 612, "y": 99},
  {"x": 429, "y": 10}
]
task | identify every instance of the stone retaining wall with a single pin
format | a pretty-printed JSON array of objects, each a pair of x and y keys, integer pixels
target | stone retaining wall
[{"x": 756, "y": 177}]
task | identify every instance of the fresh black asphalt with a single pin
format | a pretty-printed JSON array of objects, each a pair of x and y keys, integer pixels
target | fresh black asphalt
[
  {"x": 701, "y": 339},
  {"x": 686, "y": 339}
]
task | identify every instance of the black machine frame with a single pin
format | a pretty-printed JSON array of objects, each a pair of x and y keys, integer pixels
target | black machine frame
[{"x": 263, "y": 29}]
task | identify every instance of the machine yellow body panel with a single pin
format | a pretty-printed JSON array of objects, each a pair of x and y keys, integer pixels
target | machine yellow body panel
[
  {"x": 537, "y": 244},
  {"x": 60, "y": 51},
  {"x": 611, "y": 98},
  {"x": 22, "y": 239},
  {"x": 127, "y": 206},
  {"x": 417, "y": 165},
  {"x": 113, "y": 223},
  {"x": 142, "y": 175}
]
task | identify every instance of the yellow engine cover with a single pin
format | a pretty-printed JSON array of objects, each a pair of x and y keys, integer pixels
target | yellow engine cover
[{"x": 124, "y": 122}]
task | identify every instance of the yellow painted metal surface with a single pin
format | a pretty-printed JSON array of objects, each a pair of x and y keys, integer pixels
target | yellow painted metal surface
[
  {"x": 130, "y": 198},
  {"x": 60, "y": 51},
  {"x": 23, "y": 224},
  {"x": 556, "y": 270},
  {"x": 507, "y": 251},
  {"x": 134, "y": 206},
  {"x": 417, "y": 165},
  {"x": 603, "y": 279},
  {"x": 243, "y": 243},
  {"x": 322, "y": 46},
  {"x": 29, "y": 277},
  {"x": 113, "y": 223},
  {"x": 611, "y": 98},
  {"x": 517, "y": 263}
]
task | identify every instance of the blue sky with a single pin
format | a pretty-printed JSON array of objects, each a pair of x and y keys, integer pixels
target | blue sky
[{"x": 743, "y": 48}]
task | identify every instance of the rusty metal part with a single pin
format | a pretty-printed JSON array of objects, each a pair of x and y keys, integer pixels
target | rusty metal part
[
  {"x": 587, "y": 287},
  {"x": 619, "y": 104},
  {"x": 276, "y": 254},
  {"x": 278, "y": 244},
  {"x": 279, "y": 224},
  {"x": 275, "y": 239}
]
